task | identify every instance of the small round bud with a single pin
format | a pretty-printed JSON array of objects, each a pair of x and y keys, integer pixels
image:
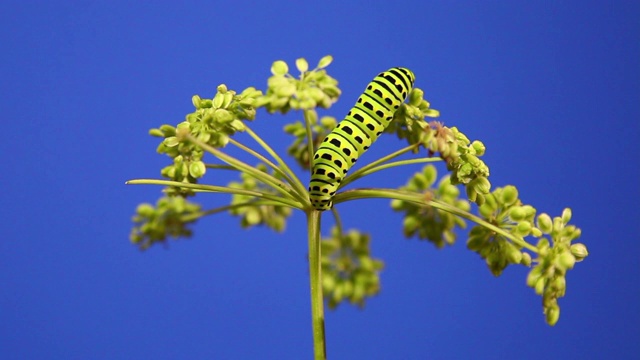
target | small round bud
[
  {"x": 279, "y": 68},
  {"x": 579, "y": 251},
  {"x": 197, "y": 169},
  {"x": 539, "y": 287},
  {"x": 478, "y": 147},
  {"x": 145, "y": 209},
  {"x": 533, "y": 276},
  {"x": 415, "y": 97},
  {"x": 302, "y": 65},
  {"x": 156, "y": 133},
  {"x": 559, "y": 284},
  {"x": 526, "y": 259},
  {"x": 523, "y": 228},
  {"x": 566, "y": 260},
  {"x": 325, "y": 61},
  {"x": 566, "y": 215},
  {"x": 509, "y": 195},
  {"x": 552, "y": 315},
  {"x": 195, "y": 100},
  {"x": 544, "y": 223},
  {"x": 222, "y": 116},
  {"x": 517, "y": 213},
  {"x": 514, "y": 255}
]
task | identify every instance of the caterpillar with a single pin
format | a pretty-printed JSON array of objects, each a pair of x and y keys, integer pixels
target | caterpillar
[{"x": 363, "y": 124}]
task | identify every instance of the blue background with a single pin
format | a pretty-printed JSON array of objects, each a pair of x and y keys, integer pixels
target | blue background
[{"x": 551, "y": 88}]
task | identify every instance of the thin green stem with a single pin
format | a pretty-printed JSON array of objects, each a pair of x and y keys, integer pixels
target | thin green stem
[
  {"x": 336, "y": 216},
  {"x": 374, "y": 169},
  {"x": 283, "y": 201},
  {"x": 421, "y": 200},
  {"x": 259, "y": 157},
  {"x": 315, "y": 276},
  {"x": 220, "y": 209},
  {"x": 363, "y": 170},
  {"x": 262, "y": 176},
  {"x": 310, "y": 149},
  {"x": 293, "y": 179},
  {"x": 219, "y": 167}
]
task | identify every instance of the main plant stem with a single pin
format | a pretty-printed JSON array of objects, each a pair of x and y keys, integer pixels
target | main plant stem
[{"x": 315, "y": 276}]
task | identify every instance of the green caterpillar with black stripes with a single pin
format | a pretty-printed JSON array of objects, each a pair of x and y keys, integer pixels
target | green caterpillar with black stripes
[{"x": 354, "y": 135}]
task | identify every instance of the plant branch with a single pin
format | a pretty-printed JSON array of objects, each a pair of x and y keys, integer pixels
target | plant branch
[
  {"x": 419, "y": 198},
  {"x": 293, "y": 179},
  {"x": 262, "y": 176},
  {"x": 364, "y": 170},
  {"x": 315, "y": 276},
  {"x": 283, "y": 201}
]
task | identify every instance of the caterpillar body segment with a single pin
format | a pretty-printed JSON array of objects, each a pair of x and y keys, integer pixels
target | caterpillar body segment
[{"x": 361, "y": 127}]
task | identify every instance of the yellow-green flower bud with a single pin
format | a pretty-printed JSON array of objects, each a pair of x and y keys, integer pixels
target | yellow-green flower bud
[
  {"x": 325, "y": 61},
  {"x": 195, "y": 100},
  {"x": 478, "y": 147},
  {"x": 252, "y": 216},
  {"x": 302, "y": 65},
  {"x": 579, "y": 251},
  {"x": 566, "y": 260},
  {"x": 228, "y": 98},
  {"x": 145, "y": 209},
  {"x": 544, "y": 223},
  {"x": 566, "y": 216},
  {"x": 237, "y": 125},
  {"x": 197, "y": 169},
  {"x": 514, "y": 255},
  {"x": 279, "y": 67},
  {"x": 523, "y": 228},
  {"x": 552, "y": 315},
  {"x": 560, "y": 286},
  {"x": 526, "y": 259},
  {"x": 517, "y": 213},
  {"x": 171, "y": 141},
  {"x": 222, "y": 116},
  {"x": 218, "y": 100},
  {"x": 509, "y": 195},
  {"x": 415, "y": 97},
  {"x": 156, "y": 133},
  {"x": 286, "y": 90},
  {"x": 533, "y": 276},
  {"x": 557, "y": 224},
  {"x": 539, "y": 287}
]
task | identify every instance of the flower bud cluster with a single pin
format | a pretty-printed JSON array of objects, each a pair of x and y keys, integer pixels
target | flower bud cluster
[
  {"x": 349, "y": 273},
  {"x": 555, "y": 252},
  {"x": 426, "y": 222},
  {"x": 169, "y": 217},
  {"x": 409, "y": 120},
  {"x": 213, "y": 122},
  {"x": 556, "y": 256},
  {"x": 503, "y": 209},
  {"x": 463, "y": 160},
  {"x": 314, "y": 88}
]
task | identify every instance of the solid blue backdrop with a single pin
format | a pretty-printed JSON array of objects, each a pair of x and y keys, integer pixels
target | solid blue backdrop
[{"x": 551, "y": 88}]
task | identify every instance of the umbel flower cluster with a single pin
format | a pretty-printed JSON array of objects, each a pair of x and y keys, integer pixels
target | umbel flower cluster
[{"x": 504, "y": 230}]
